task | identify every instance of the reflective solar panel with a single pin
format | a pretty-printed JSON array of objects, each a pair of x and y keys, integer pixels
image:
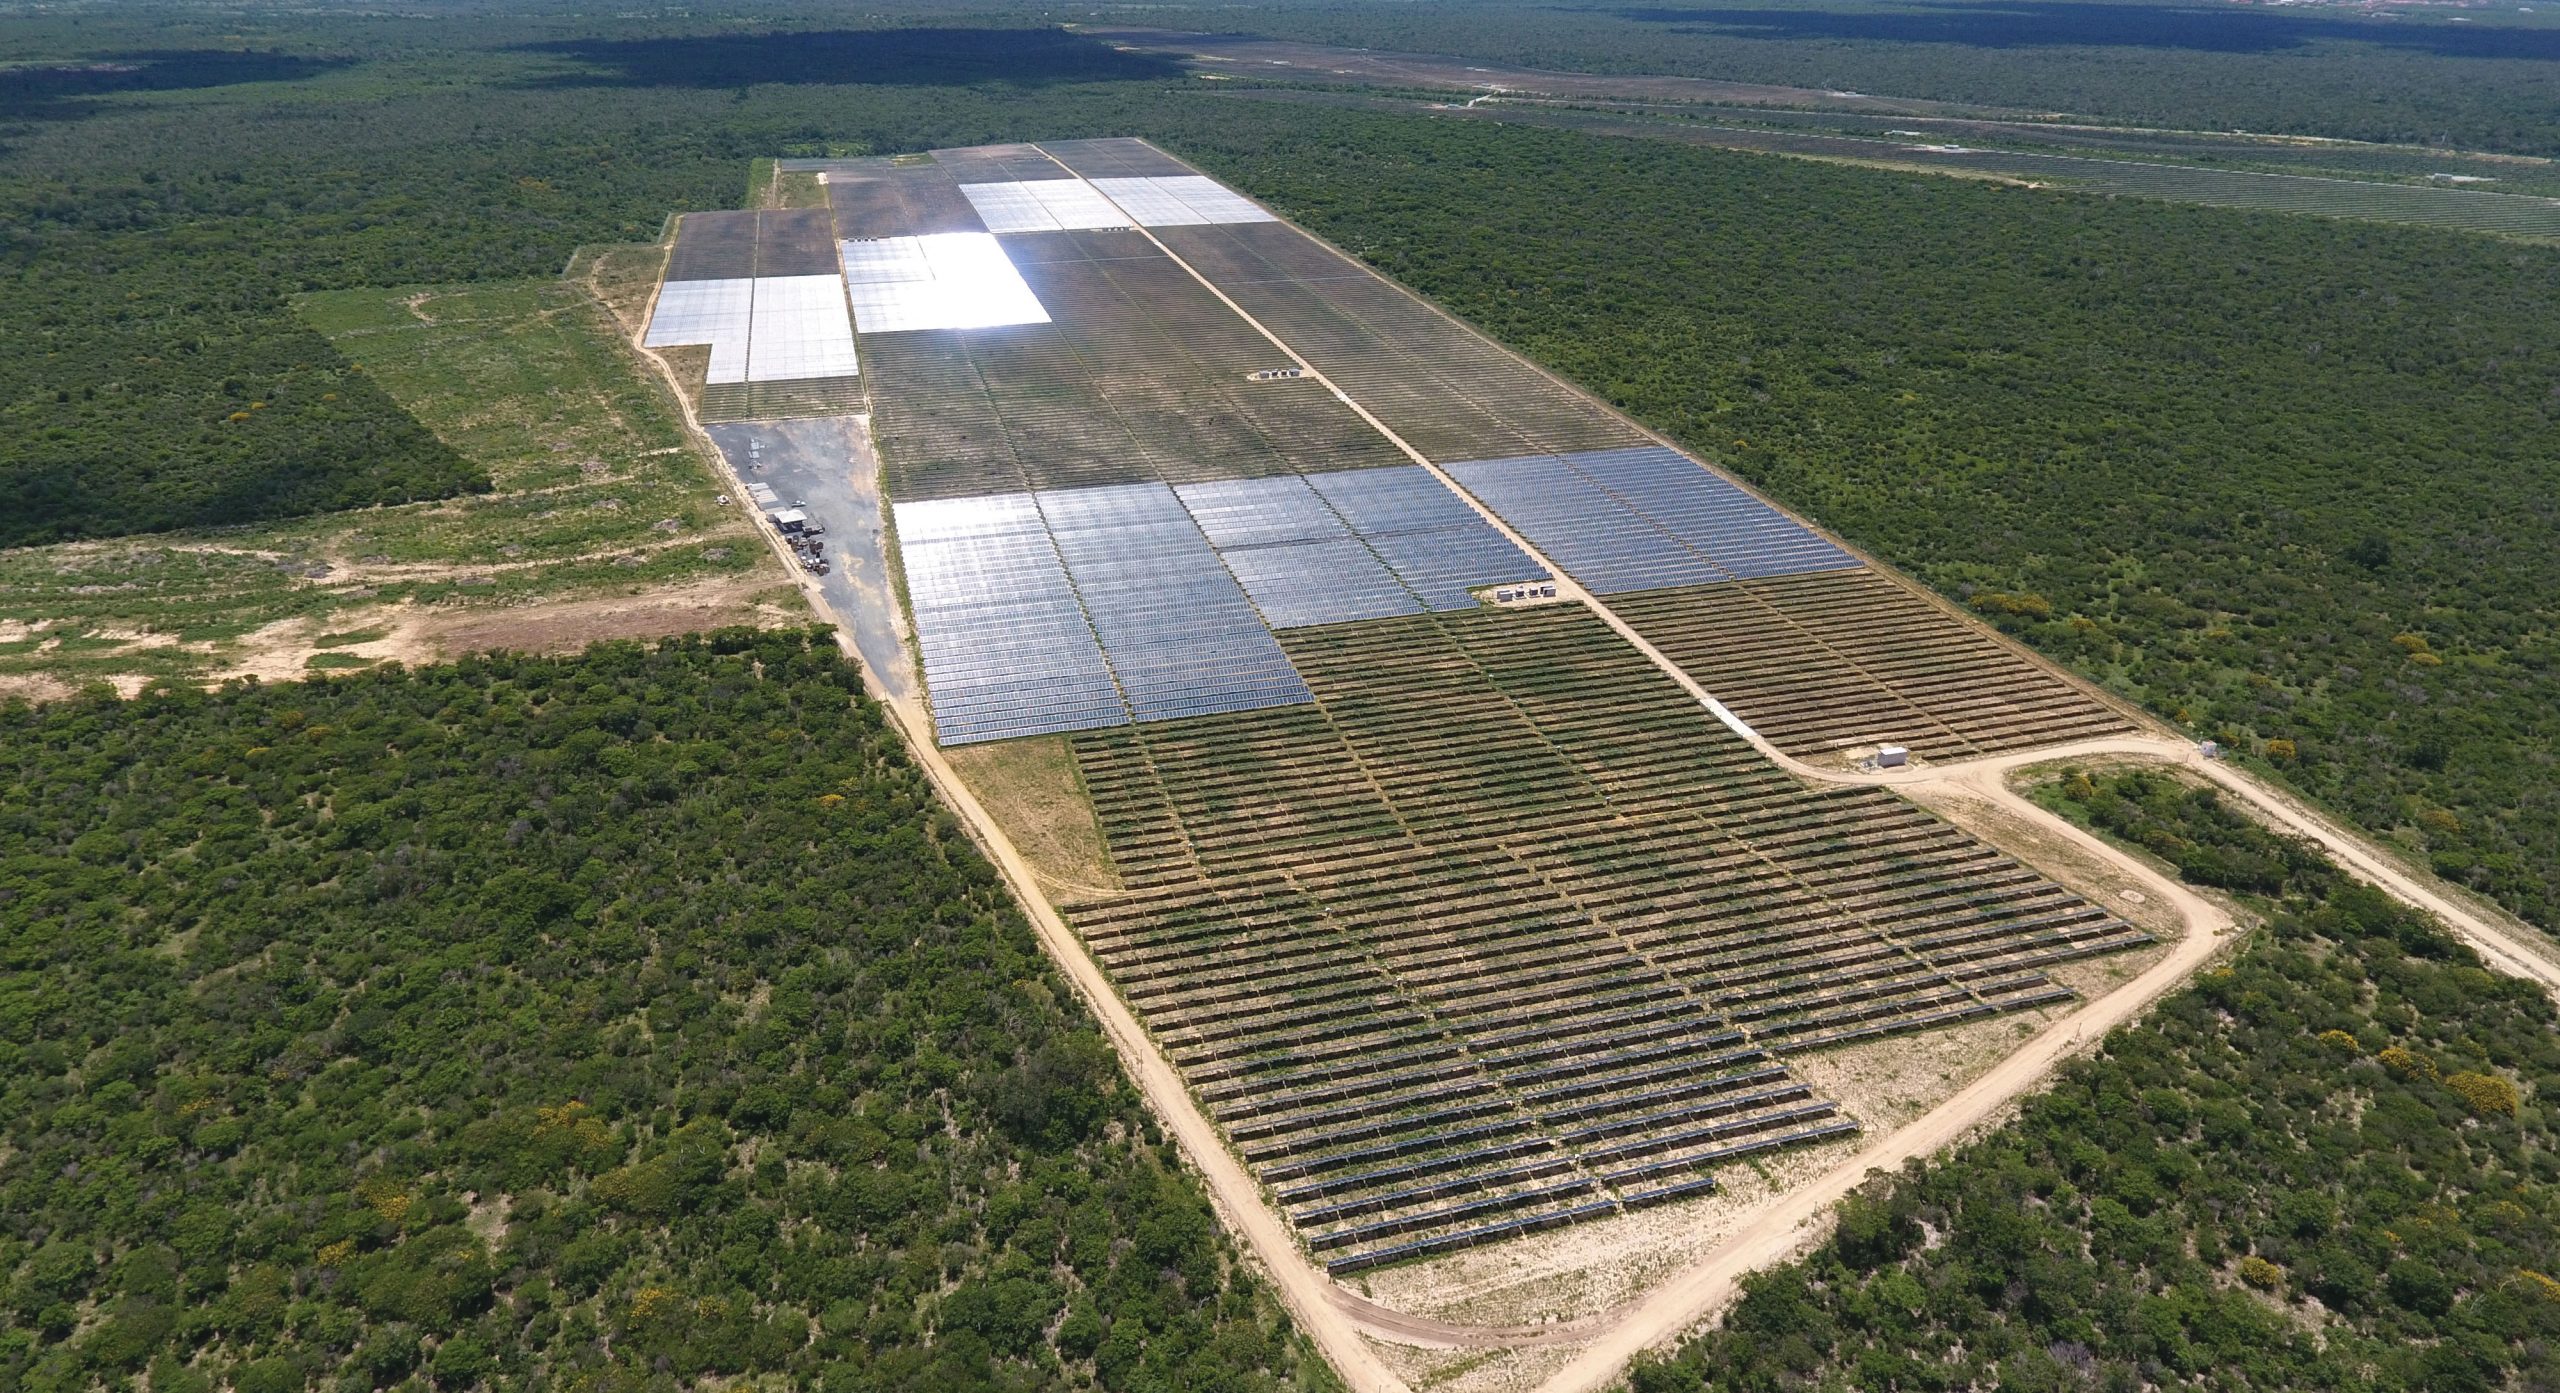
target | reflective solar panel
[
  {"x": 945, "y": 280},
  {"x": 1442, "y": 566},
  {"x": 1043, "y": 205},
  {"x": 1259, "y": 512},
  {"x": 1182, "y": 200},
  {"x": 1009, "y": 208},
  {"x": 1179, "y": 632},
  {"x": 1427, "y": 537},
  {"x": 1739, "y": 533},
  {"x": 799, "y": 330},
  {"x": 1325, "y": 582},
  {"x": 714, "y": 312},
  {"x": 1213, "y": 201},
  {"x": 1645, "y": 518},
  {"x": 1599, "y": 540},
  {"x": 1007, "y": 649}
]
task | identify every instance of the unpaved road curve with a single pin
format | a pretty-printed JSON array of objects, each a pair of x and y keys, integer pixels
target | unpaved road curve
[
  {"x": 1338, "y": 1320},
  {"x": 1799, "y": 1218}
]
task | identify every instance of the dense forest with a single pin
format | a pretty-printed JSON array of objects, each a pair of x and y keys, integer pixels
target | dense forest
[
  {"x": 2329, "y": 1164},
  {"x": 154, "y": 223},
  {"x": 615, "y": 1022}
]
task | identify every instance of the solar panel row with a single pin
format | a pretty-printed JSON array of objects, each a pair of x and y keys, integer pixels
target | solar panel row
[
  {"x": 799, "y": 330},
  {"x": 770, "y": 329},
  {"x": 1644, "y": 518},
  {"x": 1060, "y": 204},
  {"x": 1180, "y": 200},
  {"x": 1180, "y": 588},
  {"x": 1007, "y": 649},
  {"x": 714, "y": 312},
  {"x": 736, "y": 245},
  {"x": 1176, "y": 628},
  {"x": 1353, "y": 544}
]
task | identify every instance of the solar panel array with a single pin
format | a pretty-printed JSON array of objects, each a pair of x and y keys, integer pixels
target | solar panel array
[
  {"x": 1356, "y": 544},
  {"x": 720, "y": 313},
  {"x": 1838, "y": 660},
  {"x": 1462, "y": 923},
  {"x": 1176, "y": 628},
  {"x": 1181, "y": 200},
  {"x": 1180, "y": 589},
  {"x": 798, "y": 330},
  {"x": 1425, "y": 1027},
  {"x": 1029, "y": 335},
  {"x": 1441, "y": 387},
  {"x": 761, "y": 289},
  {"x": 714, "y": 247},
  {"x": 1645, "y": 518},
  {"x": 1006, "y": 646},
  {"x": 1061, "y": 204},
  {"x": 944, "y": 280}
]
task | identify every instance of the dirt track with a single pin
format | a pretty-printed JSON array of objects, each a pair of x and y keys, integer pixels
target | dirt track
[{"x": 1341, "y": 1323}]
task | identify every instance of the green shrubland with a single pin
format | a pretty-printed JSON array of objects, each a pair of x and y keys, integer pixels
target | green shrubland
[
  {"x": 622, "y": 1021},
  {"x": 2325, "y": 1165}
]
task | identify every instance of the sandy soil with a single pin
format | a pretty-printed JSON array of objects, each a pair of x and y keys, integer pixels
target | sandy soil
[
  {"x": 1032, "y": 788},
  {"x": 415, "y": 634},
  {"x": 33, "y": 686},
  {"x": 557, "y": 628}
]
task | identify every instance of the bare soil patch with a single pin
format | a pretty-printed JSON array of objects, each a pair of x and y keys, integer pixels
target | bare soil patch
[
  {"x": 563, "y": 626},
  {"x": 1032, "y": 788}
]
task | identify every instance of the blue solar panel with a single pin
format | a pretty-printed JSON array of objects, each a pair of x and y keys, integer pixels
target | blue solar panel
[
  {"x": 1739, "y": 533},
  {"x": 1351, "y": 545},
  {"x": 1401, "y": 499},
  {"x": 1260, "y": 512},
  {"x": 1645, "y": 518},
  {"x": 1007, "y": 650},
  {"x": 1178, "y": 631},
  {"x": 1442, "y": 565},
  {"x": 1325, "y": 582},
  {"x": 1599, "y": 540},
  {"x": 1076, "y": 608}
]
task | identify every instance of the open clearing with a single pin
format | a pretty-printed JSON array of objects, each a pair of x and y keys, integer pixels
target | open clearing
[{"x": 601, "y": 506}]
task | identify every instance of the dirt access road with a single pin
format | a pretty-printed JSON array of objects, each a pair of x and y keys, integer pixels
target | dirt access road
[{"x": 1340, "y": 1323}]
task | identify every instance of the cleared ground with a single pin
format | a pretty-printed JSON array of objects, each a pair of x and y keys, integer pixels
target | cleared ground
[{"x": 601, "y": 506}]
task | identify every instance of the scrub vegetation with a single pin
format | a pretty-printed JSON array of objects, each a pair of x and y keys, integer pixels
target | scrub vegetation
[
  {"x": 595, "y": 490},
  {"x": 2488, "y": 80},
  {"x": 615, "y": 1022},
  {"x": 2326, "y": 1165},
  {"x": 2281, "y": 479},
  {"x": 636, "y": 1020}
]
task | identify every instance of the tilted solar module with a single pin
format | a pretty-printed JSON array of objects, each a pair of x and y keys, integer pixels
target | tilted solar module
[
  {"x": 1007, "y": 649},
  {"x": 1598, "y": 539},
  {"x": 799, "y": 330},
  {"x": 714, "y": 312},
  {"x": 1740, "y": 534},
  {"x": 1179, "y": 632}
]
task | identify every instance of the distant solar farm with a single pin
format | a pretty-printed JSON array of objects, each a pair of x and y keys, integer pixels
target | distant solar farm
[{"x": 1462, "y": 917}]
